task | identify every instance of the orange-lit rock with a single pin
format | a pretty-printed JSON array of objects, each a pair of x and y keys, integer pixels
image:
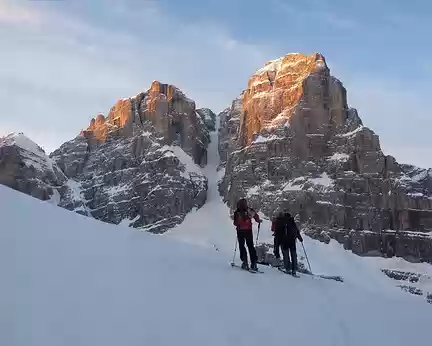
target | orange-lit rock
[
  {"x": 164, "y": 110},
  {"x": 275, "y": 92}
]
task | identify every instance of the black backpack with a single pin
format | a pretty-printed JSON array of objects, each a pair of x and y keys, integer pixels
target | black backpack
[{"x": 285, "y": 228}]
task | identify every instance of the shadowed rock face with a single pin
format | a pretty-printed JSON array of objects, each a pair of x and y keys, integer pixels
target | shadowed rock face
[
  {"x": 296, "y": 144},
  {"x": 141, "y": 164},
  {"x": 25, "y": 167}
]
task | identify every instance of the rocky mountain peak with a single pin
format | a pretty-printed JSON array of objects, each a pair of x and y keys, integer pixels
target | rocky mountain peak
[
  {"x": 275, "y": 92},
  {"x": 162, "y": 109},
  {"x": 22, "y": 141},
  {"x": 291, "y": 141},
  {"x": 141, "y": 164},
  {"x": 25, "y": 166}
]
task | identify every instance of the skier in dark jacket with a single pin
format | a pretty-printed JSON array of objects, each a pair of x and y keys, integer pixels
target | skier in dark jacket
[
  {"x": 243, "y": 222},
  {"x": 286, "y": 233}
]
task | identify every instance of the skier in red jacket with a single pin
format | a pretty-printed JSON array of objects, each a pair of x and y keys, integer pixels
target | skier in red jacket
[{"x": 243, "y": 222}]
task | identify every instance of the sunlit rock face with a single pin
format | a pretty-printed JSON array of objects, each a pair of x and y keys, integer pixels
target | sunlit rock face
[
  {"x": 291, "y": 141},
  {"x": 295, "y": 90},
  {"x": 172, "y": 115}
]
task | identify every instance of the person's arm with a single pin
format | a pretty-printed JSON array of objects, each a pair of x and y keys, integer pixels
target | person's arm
[
  {"x": 235, "y": 221},
  {"x": 298, "y": 232},
  {"x": 255, "y": 216}
]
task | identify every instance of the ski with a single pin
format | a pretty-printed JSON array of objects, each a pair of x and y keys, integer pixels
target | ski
[
  {"x": 285, "y": 272},
  {"x": 246, "y": 270}
]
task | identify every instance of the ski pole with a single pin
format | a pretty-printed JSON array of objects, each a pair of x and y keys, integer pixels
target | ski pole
[
  {"x": 256, "y": 241},
  {"x": 304, "y": 250},
  {"x": 235, "y": 250}
]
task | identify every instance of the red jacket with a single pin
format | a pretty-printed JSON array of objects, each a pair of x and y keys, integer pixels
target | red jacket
[{"x": 243, "y": 221}]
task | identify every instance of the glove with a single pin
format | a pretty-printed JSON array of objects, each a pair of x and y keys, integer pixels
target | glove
[{"x": 301, "y": 239}]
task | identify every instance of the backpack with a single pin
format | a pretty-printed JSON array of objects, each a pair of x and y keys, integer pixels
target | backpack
[{"x": 285, "y": 229}]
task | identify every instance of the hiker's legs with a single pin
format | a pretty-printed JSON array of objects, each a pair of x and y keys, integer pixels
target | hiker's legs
[
  {"x": 251, "y": 247},
  {"x": 286, "y": 258},
  {"x": 276, "y": 247},
  {"x": 293, "y": 251},
  {"x": 241, "y": 241}
]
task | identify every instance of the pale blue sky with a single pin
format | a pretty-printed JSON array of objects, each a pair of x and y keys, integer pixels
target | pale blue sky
[{"x": 62, "y": 62}]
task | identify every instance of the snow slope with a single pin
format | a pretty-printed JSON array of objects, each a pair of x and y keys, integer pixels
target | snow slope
[
  {"x": 211, "y": 227},
  {"x": 72, "y": 280}
]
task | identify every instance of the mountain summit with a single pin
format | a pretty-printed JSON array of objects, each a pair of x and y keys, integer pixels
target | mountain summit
[{"x": 291, "y": 141}]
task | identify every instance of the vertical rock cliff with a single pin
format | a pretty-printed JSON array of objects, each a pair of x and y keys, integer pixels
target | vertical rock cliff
[{"x": 292, "y": 142}]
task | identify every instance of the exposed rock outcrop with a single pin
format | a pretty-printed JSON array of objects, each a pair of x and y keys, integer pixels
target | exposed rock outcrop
[
  {"x": 208, "y": 117},
  {"x": 299, "y": 146},
  {"x": 140, "y": 164},
  {"x": 409, "y": 282},
  {"x": 25, "y": 167},
  {"x": 170, "y": 113},
  {"x": 228, "y": 131}
]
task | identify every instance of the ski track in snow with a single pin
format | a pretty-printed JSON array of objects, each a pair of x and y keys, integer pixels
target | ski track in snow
[{"x": 71, "y": 280}]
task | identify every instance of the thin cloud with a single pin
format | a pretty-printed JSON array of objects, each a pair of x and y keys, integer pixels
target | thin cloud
[
  {"x": 55, "y": 79},
  {"x": 71, "y": 69},
  {"x": 13, "y": 14}
]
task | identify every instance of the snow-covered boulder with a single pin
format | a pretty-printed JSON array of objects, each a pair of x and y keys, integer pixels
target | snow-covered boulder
[{"x": 24, "y": 166}]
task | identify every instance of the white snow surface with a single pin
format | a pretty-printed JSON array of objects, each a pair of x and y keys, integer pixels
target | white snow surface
[
  {"x": 189, "y": 165},
  {"x": 76, "y": 281},
  {"x": 339, "y": 157},
  {"x": 323, "y": 180},
  {"x": 352, "y": 133},
  {"x": 273, "y": 65},
  {"x": 263, "y": 139},
  {"x": 72, "y": 280}
]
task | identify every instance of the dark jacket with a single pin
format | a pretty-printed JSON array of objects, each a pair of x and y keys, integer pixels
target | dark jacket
[
  {"x": 285, "y": 230},
  {"x": 243, "y": 219}
]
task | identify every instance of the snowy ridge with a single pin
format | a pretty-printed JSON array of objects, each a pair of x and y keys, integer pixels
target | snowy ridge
[
  {"x": 33, "y": 155},
  {"x": 275, "y": 65},
  {"x": 352, "y": 133}
]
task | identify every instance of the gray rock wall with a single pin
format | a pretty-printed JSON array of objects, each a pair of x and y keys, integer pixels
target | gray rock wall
[{"x": 328, "y": 169}]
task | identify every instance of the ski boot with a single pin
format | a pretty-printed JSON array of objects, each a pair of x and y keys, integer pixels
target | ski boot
[
  {"x": 254, "y": 266},
  {"x": 278, "y": 262},
  {"x": 245, "y": 265}
]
